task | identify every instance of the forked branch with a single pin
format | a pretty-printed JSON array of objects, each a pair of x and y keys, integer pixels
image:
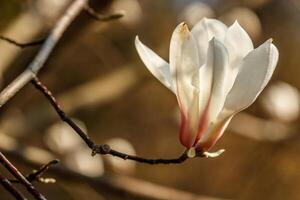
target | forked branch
[
  {"x": 11, "y": 188},
  {"x": 38, "y": 62},
  {"x": 19, "y": 176},
  {"x": 35, "y": 175}
]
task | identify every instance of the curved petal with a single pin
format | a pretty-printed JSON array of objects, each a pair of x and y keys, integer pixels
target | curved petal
[
  {"x": 238, "y": 44},
  {"x": 218, "y": 63},
  {"x": 184, "y": 63},
  {"x": 255, "y": 72},
  {"x": 214, "y": 132},
  {"x": 212, "y": 84},
  {"x": 204, "y": 31},
  {"x": 155, "y": 64}
]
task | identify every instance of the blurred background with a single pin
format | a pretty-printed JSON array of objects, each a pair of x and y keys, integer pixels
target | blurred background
[{"x": 99, "y": 80}]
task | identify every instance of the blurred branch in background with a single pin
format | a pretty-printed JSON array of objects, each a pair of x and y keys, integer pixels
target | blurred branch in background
[
  {"x": 48, "y": 46},
  {"x": 38, "y": 63},
  {"x": 28, "y": 26},
  {"x": 97, "y": 92},
  {"x": 40, "y": 59},
  {"x": 110, "y": 184},
  {"x": 22, "y": 45},
  {"x": 19, "y": 176},
  {"x": 26, "y": 181},
  {"x": 35, "y": 175},
  {"x": 106, "y": 101},
  {"x": 33, "y": 68},
  {"x": 11, "y": 188},
  {"x": 102, "y": 17},
  {"x": 25, "y": 77}
]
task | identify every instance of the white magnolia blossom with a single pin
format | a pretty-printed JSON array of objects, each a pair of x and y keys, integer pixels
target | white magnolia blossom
[{"x": 215, "y": 72}]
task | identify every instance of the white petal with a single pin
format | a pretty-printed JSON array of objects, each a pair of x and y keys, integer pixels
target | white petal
[
  {"x": 155, "y": 64},
  {"x": 214, "y": 132},
  {"x": 255, "y": 72},
  {"x": 184, "y": 64},
  {"x": 212, "y": 85},
  {"x": 190, "y": 122},
  {"x": 204, "y": 31},
  {"x": 214, "y": 89},
  {"x": 238, "y": 44}
]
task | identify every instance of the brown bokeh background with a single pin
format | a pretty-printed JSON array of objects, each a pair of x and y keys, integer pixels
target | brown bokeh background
[{"x": 97, "y": 76}]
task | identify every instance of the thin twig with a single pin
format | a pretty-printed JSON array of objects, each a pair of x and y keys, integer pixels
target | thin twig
[
  {"x": 22, "y": 45},
  {"x": 38, "y": 62},
  {"x": 11, "y": 189},
  {"x": 102, "y": 17},
  {"x": 19, "y": 176},
  {"x": 36, "y": 174},
  {"x": 103, "y": 149},
  {"x": 111, "y": 185}
]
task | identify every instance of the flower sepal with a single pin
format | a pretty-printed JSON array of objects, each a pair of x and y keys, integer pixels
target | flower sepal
[
  {"x": 215, "y": 154},
  {"x": 191, "y": 153}
]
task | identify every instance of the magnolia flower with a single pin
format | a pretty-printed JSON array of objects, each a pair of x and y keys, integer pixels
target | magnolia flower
[{"x": 215, "y": 72}]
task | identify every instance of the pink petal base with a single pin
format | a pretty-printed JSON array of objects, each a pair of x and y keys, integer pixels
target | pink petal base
[
  {"x": 187, "y": 138},
  {"x": 217, "y": 132}
]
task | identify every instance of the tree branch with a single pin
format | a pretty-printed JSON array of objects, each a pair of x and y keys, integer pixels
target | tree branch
[
  {"x": 103, "y": 149},
  {"x": 40, "y": 59},
  {"x": 101, "y": 17},
  {"x": 89, "y": 10},
  {"x": 19, "y": 176},
  {"x": 22, "y": 45},
  {"x": 11, "y": 189},
  {"x": 117, "y": 185},
  {"x": 36, "y": 174}
]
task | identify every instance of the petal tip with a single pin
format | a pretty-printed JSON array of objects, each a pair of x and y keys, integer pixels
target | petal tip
[
  {"x": 138, "y": 44},
  {"x": 183, "y": 29},
  {"x": 182, "y": 24},
  {"x": 236, "y": 23},
  {"x": 270, "y": 40},
  {"x": 136, "y": 39},
  {"x": 214, "y": 41},
  {"x": 205, "y": 20}
]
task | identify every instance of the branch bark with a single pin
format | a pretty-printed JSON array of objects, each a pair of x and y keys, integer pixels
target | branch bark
[
  {"x": 35, "y": 175},
  {"x": 110, "y": 184},
  {"x": 22, "y": 45},
  {"x": 11, "y": 189},
  {"x": 19, "y": 176},
  {"x": 38, "y": 62}
]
